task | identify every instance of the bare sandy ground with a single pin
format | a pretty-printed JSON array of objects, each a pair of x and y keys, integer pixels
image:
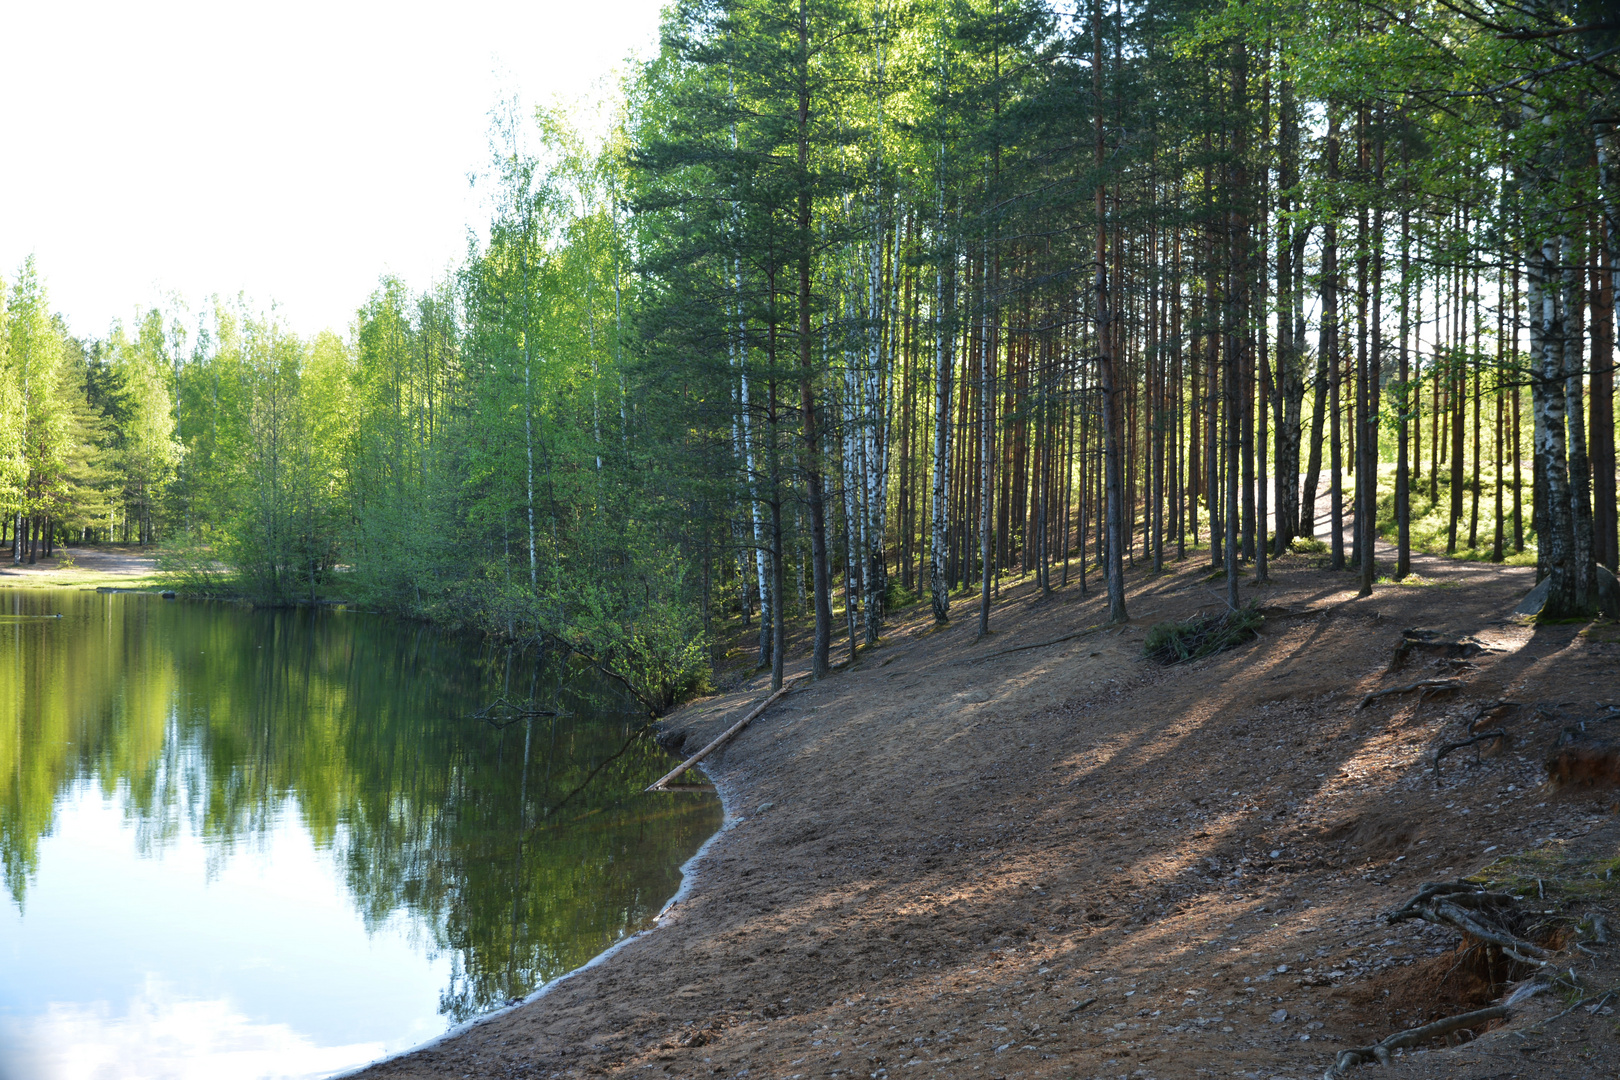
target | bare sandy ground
[
  {"x": 83, "y": 567},
  {"x": 1005, "y": 858}
]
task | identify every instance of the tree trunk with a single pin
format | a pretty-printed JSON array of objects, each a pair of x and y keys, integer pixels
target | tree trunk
[
  {"x": 1605, "y": 517},
  {"x": 820, "y": 659},
  {"x": 1115, "y": 556},
  {"x": 944, "y": 368},
  {"x": 1548, "y": 401}
]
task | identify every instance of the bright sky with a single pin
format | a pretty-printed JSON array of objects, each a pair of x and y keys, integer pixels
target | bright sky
[{"x": 294, "y": 151}]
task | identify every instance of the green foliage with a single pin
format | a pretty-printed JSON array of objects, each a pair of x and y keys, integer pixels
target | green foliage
[
  {"x": 188, "y": 564},
  {"x": 1202, "y": 635},
  {"x": 897, "y": 596}
]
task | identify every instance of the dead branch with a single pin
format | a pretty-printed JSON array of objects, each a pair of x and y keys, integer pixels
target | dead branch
[
  {"x": 1090, "y": 1001},
  {"x": 725, "y": 736},
  {"x": 1499, "y": 733},
  {"x": 1599, "y": 998},
  {"x": 1381, "y": 1051},
  {"x": 1428, "y": 686},
  {"x": 502, "y": 713}
]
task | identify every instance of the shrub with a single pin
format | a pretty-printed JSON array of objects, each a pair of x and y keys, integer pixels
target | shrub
[
  {"x": 896, "y": 596},
  {"x": 188, "y": 564}
]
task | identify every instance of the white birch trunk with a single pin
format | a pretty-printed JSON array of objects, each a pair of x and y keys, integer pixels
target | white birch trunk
[
  {"x": 1583, "y": 579},
  {"x": 1547, "y": 396},
  {"x": 761, "y": 567},
  {"x": 874, "y": 437}
]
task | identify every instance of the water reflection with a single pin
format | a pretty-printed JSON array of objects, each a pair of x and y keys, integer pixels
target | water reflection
[{"x": 282, "y": 829}]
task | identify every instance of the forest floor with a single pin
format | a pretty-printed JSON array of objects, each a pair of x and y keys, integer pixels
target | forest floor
[
  {"x": 83, "y": 567},
  {"x": 1041, "y": 855}
]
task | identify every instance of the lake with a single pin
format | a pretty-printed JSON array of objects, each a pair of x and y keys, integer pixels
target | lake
[{"x": 242, "y": 843}]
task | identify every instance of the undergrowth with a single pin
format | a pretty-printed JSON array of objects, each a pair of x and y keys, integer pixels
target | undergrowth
[
  {"x": 1431, "y": 519},
  {"x": 1202, "y": 635}
]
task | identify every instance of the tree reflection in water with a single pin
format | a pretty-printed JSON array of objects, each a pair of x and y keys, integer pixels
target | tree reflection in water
[{"x": 520, "y": 849}]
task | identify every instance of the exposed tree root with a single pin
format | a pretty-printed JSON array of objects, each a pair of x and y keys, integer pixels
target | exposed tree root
[
  {"x": 1381, "y": 1051},
  {"x": 1484, "y": 736},
  {"x": 1429, "y": 687},
  {"x": 1483, "y": 915},
  {"x": 1040, "y": 645},
  {"x": 1086, "y": 1004},
  {"x": 1428, "y": 643},
  {"x": 1484, "y": 709}
]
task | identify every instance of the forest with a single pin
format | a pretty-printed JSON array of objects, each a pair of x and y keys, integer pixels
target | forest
[{"x": 854, "y": 305}]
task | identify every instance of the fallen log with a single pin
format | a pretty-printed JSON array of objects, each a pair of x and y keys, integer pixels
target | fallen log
[{"x": 725, "y": 736}]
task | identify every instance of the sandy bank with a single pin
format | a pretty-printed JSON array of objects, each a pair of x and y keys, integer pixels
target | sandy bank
[{"x": 976, "y": 859}]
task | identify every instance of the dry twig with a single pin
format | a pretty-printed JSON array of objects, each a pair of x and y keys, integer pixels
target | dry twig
[{"x": 502, "y": 713}]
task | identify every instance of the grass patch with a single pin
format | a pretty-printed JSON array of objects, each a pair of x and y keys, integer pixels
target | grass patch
[
  {"x": 1431, "y": 519},
  {"x": 1202, "y": 635},
  {"x": 1416, "y": 581},
  {"x": 1559, "y": 888},
  {"x": 80, "y": 579}
]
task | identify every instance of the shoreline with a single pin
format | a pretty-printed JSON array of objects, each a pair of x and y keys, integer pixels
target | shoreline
[{"x": 1036, "y": 857}]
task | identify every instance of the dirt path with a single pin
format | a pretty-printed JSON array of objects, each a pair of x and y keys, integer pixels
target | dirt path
[
  {"x": 82, "y": 567},
  {"x": 1064, "y": 861}
]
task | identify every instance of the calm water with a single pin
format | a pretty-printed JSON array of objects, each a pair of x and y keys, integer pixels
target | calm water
[{"x": 274, "y": 844}]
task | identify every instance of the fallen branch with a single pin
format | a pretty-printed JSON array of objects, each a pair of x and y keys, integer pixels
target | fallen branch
[
  {"x": 502, "y": 713},
  {"x": 1428, "y": 686},
  {"x": 725, "y": 736},
  {"x": 1499, "y": 733},
  {"x": 1202, "y": 635},
  {"x": 1381, "y": 1051},
  {"x": 1041, "y": 645}
]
